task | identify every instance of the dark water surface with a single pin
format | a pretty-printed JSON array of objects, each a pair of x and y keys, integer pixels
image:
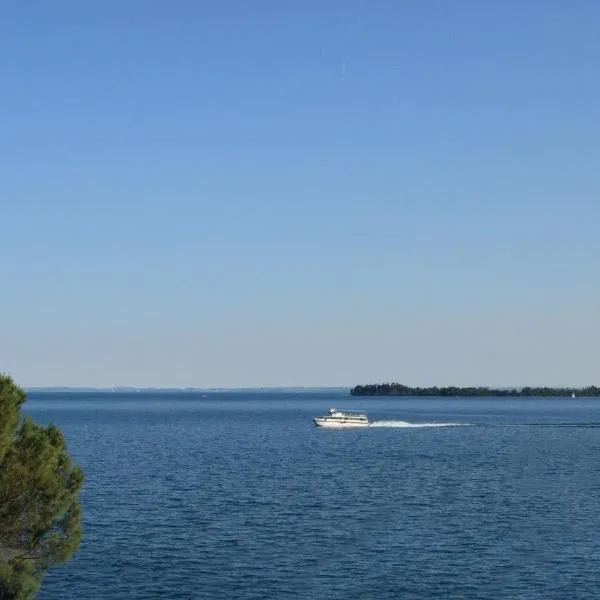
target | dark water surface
[{"x": 239, "y": 496}]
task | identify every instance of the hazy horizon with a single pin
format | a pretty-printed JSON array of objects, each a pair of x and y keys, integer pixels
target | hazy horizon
[
  {"x": 232, "y": 195},
  {"x": 275, "y": 388}
]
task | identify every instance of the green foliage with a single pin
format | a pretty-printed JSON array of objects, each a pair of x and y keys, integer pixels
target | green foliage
[
  {"x": 397, "y": 389},
  {"x": 40, "y": 515},
  {"x": 11, "y": 399}
]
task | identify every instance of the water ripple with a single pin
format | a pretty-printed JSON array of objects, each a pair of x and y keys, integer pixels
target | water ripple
[{"x": 207, "y": 502}]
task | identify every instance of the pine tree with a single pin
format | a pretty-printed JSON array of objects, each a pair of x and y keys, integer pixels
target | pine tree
[{"x": 40, "y": 514}]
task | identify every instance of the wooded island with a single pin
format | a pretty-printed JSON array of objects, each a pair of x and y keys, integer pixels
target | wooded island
[{"x": 397, "y": 389}]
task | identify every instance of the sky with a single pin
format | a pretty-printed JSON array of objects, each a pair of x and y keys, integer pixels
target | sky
[{"x": 273, "y": 193}]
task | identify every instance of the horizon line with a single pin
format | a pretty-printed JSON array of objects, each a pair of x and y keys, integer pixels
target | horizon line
[
  {"x": 184, "y": 389},
  {"x": 132, "y": 388}
]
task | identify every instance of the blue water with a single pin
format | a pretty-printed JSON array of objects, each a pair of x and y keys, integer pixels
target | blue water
[{"x": 239, "y": 496}]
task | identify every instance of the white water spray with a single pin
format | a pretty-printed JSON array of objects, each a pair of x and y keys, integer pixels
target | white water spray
[{"x": 406, "y": 424}]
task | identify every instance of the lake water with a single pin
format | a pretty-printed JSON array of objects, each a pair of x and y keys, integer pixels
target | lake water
[{"x": 239, "y": 496}]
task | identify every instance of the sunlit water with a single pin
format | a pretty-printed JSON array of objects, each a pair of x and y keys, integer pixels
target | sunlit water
[{"x": 239, "y": 496}]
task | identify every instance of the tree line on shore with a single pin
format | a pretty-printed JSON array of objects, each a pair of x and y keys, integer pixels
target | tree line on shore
[{"x": 398, "y": 389}]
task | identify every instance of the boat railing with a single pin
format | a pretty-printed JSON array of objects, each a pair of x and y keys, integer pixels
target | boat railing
[{"x": 345, "y": 413}]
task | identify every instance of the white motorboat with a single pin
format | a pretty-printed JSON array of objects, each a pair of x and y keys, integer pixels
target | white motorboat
[{"x": 342, "y": 419}]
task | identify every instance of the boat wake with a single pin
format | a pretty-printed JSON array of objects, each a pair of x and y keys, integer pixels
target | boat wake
[{"x": 406, "y": 424}]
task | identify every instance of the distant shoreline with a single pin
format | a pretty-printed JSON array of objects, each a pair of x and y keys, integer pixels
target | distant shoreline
[
  {"x": 397, "y": 389},
  {"x": 143, "y": 390},
  {"x": 378, "y": 389}
]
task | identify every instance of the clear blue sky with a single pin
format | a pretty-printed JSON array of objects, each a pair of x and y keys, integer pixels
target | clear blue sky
[{"x": 300, "y": 193}]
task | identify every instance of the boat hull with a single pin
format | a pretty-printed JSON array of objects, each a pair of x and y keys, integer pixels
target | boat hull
[{"x": 331, "y": 424}]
